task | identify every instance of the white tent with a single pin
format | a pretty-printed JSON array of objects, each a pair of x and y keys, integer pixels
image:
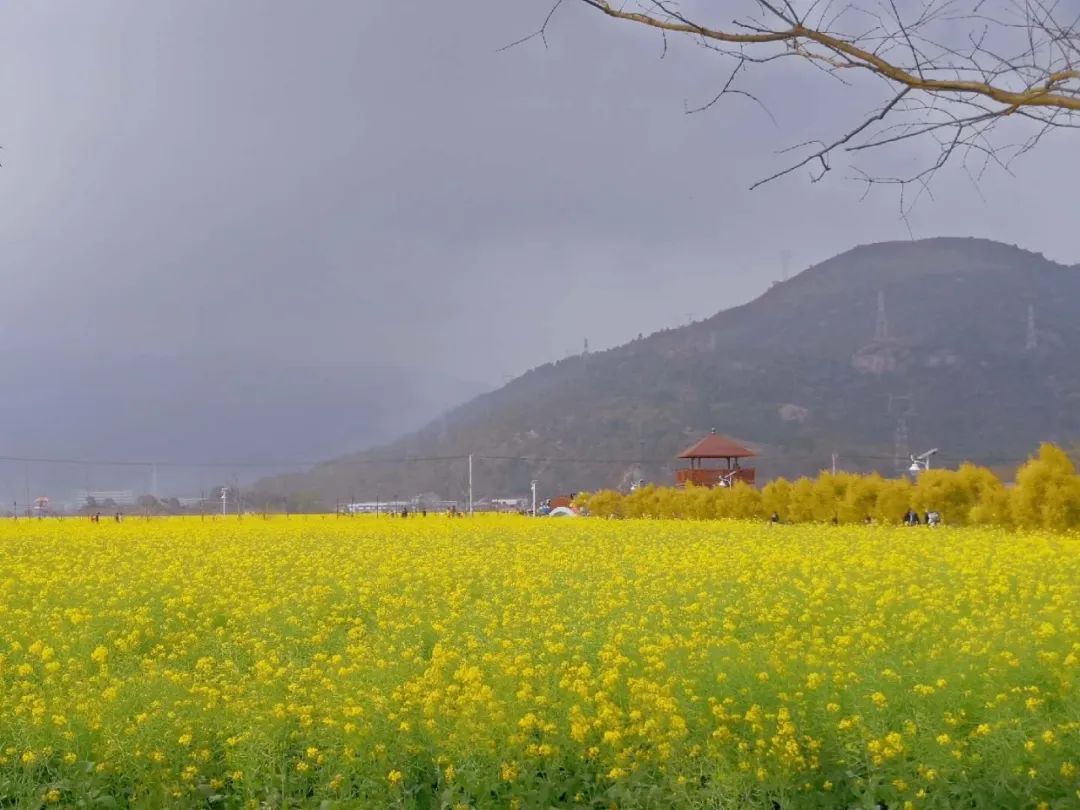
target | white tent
[{"x": 563, "y": 511}]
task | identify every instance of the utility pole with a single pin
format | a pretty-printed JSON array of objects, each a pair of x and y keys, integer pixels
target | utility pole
[
  {"x": 224, "y": 500},
  {"x": 533, "y": 485},
  {"x": 834, "y": 462},
  {"x": 470, "y": 485}
]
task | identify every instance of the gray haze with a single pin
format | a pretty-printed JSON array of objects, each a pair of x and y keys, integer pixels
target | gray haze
[{"x": 195, "y": 192}]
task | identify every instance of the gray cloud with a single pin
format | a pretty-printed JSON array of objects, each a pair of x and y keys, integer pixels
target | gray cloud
[{"x": 283, "y": 182}]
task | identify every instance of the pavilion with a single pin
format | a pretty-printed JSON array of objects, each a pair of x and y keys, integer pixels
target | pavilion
[{"x": 715, "y": 448}]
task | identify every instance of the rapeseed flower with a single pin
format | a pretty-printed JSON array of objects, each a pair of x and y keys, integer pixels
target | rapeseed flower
[{"x": 500, "y": 654}]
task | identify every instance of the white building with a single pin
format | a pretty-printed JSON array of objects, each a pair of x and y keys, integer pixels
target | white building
[
  {"x": 121, "y": 497},
  {"x": 374, "y": 507}
]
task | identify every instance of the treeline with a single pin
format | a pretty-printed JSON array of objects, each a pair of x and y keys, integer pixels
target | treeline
[{"x": 1046, "y": 494}]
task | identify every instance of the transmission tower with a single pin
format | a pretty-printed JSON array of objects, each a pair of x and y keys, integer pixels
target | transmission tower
[
  {"x": 900, "y": 407},
  {"x": 901, "y": 446},
  {"x": 1032, "y": 341},
  {"x": 881, "y": 325}
]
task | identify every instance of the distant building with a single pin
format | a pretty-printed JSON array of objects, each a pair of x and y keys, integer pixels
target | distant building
[
  {"x": 375, "y": 507},
  {"x": 121, "y": 497}
]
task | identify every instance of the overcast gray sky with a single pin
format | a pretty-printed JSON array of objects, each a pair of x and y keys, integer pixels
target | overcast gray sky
[{"x": 373, "y": 179}]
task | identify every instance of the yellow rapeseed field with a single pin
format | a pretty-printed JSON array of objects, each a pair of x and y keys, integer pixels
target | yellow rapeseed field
[{"x": 508, "y": 662}]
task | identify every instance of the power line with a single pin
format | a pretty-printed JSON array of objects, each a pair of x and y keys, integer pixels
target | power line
[
  {"x": 537, "y": 459},
  {"x": 225, "y": 464},
  {"x": 775, "y": 456}
]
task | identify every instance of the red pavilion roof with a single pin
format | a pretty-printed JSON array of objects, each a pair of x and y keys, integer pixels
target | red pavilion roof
[{"x": 716, "y": 446}]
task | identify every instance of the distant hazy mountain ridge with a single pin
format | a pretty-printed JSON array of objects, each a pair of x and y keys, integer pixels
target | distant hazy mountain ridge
[{"x": 965, "y": 344}]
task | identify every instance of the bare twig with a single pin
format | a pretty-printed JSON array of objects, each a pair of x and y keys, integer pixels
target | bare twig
[
  {"x": 955, "y": 71},
  {"x": 541, "y": 32},
  {"x": 822, "y": 154}
]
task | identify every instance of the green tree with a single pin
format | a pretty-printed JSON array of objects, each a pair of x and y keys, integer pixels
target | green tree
[
  {"x": 860, "y": 498},
  {"x": 828, "y": 493},
  {"x": 893, "y": 500},
  {"x": 745, "y": 502},
  {"x": 1047, "y": 491},
  {"x": 776, "y": 497},
  {"x": 953, "y": 493},
  {"x": 605, "y": 503},
  {"x": 801, "y": 503}
]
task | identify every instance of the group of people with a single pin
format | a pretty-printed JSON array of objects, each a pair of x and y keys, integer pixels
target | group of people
[
  {"x": 911, "y": 518},
  {"x": 930, "y": 518},
  {"x": 453, "y": 511},
  {"x": 96, "y": 517},
  {"x": 405, "y": 513}
]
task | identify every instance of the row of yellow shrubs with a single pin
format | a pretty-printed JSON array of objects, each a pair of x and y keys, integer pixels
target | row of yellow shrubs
[{"x": 1046, "y": 494}]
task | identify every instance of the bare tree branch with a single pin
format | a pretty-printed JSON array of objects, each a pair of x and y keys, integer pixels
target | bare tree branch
[
  {"x": 542, "y": 32},
  {"x": 822, "y": 154},
  {"x": 956, "y": 71}
]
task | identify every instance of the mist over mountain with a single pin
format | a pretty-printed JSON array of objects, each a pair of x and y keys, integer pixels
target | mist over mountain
[
  {"x": 964, "y": 344},
  {"x": 210, "y": 421}
]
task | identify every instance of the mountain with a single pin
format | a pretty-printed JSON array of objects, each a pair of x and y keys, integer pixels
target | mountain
[
  {"x": 210, "y": 412},
  {"x": 967, "y": 345}
]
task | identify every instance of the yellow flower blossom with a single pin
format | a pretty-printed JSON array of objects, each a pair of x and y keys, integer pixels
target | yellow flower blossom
[{"x": 212, "y": 654}]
